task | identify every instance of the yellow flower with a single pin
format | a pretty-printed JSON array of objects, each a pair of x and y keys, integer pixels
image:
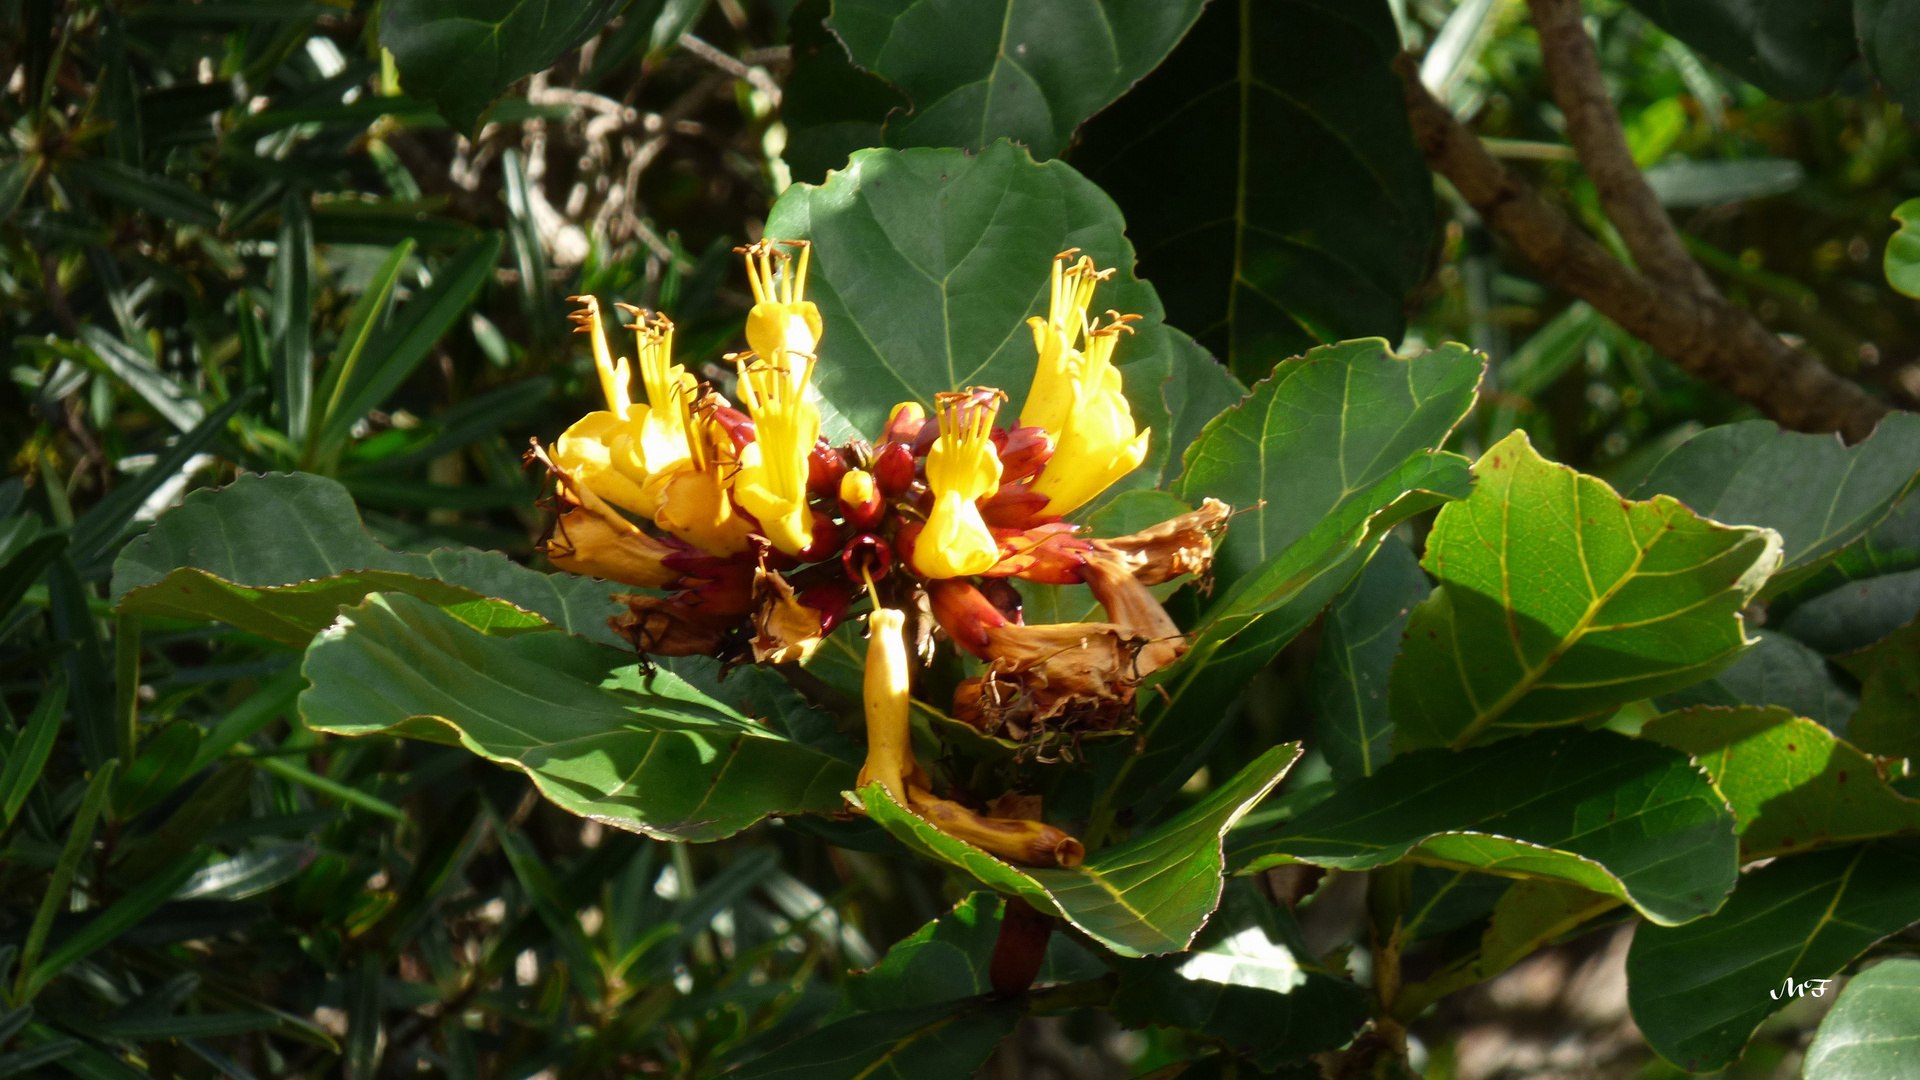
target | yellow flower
[
  {"x": 627, "y": 452},
  {"x": 1076, "y": 395},
  {"x": 962, "y": 468},
  {"x": 694, "y": 504},
  {"x": 772, "y": 481},
  {"x": 782, "y": 319},
  {"x": 889, "y": 736}
]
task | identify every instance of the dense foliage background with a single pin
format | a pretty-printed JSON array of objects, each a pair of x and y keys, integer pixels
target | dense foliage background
[{"x": 278, "y": 235}]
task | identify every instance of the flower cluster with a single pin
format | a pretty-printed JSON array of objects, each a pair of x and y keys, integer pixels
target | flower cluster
[{"x": 765, "y": 537}]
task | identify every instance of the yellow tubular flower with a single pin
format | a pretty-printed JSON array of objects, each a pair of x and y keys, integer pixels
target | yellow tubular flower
[
  {"x": 602, "y": 450},
  {"x": 1095, "y": 445},
  {"x": 1057, "y": 339},
  {"x": 782, "y": 319},
  {"x": 670, "y": 388},
  {"x": 962, "y": 468},
  {"x": 694, "y": 505},
  {"x": 889, "y": 736},
  {"x": 772, "y": 481}
]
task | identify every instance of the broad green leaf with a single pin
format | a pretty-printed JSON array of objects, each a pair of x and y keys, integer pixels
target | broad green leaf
[
  {"x": 463, "y": 54},
  {"x": 598, "y": 736},
  {"x": 1358, "y": 642},
  {"x": 1317, "y": 434},
  {"x": 1698, "y": 991},
  {"x": 1778, "y": 670},
  {"x": 277, "y": 554},
  {"x": 1893, "y": 547},
  {"x": 1790, "y": 50},
  {"x": 1856, "y": 614},
  {"x": 1147, "y": 896},
  {"x": 1874, "y": 1029},
  {"x": 1249, "y": 981},
  {"x": 948, "y": 959},
  {"x": 1818, "y": 493},
  {"x": 1888, "y": 720},
  {"x": 1522, "y": 919},
  {"x": 1889, "y": 33},
  {"x": 1559, "y": 600},
  {"x": 1791, "y": 784},
  {"x": 1440, "y": 900},
  {"x": 1182, "y": 704},
  {"x": 927, "y": 263},
  {"x": 1618, "y": 816},
  {"x": 1025, "y": 70},
  {"x": 1902, "y": 261},
  {"x": 947, "y": 1041},
  {"x": 1270, "y": 179},
  {"x": 831, "y": 108}
]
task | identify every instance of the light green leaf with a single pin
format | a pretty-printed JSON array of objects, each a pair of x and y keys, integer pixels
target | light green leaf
[
  {"x": 1149, "y": 895},
  {"x": 1618, "y": 816},
  {"x": 927, "y": 263},
  {"x": 1698, "y": 991},
  {"x": 277, "y": 554},
  {"x": 1815, "y": 491},
  {"x": 598, "y": 736},
  {"x": 1903, "y": 248},
  {"x": 1792, "y": 785},
  {"x": 1358, "y": 643},
  {"x": 1026, "y": 70},
  {"x": 1560, "y": 600},
  {"x": 1874, "y": 1029},
  {"x": 463, "y": 54},
  {"x": 1270, "y": 178}
]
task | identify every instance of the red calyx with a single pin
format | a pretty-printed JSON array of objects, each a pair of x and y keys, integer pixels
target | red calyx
[
  {"x": 1021, "y": 947},
  {"x": 738, "y": 425},
  {"x": 825, "y": 467},
  {"x": 904, "y": 425},
  {"x": 866, "y": 556},
  {"x": 964, "y": 613},
  {"x": 1023, "y": 453},
  {"x": 826, "y": 539},
  {"x": 1015, "y": 507},
  {"x": 1049, "y": 555},
  {"x": 893, "y": 469}
]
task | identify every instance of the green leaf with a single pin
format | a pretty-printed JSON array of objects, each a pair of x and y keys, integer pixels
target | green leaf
[
  {"x": 292, "y": 316},
  {"x": 159, "y": 195},
  {"x": 368, "y": 313},
  {"x": 97, "y": 529},
  {"x": 831, "y": 108},
  {"x": 1778, "y": 670},
  {"x": 165, "y": 761},
  {"x": 124, "y": 914},
  {"x": 1892, "y": 548},
  {"x": 1903, "y": 247},
  {"x": 463, "y": 54},
  {"x": 1618, "y": 816},
  {"x": 1698, "y": 991},
  {"x": 932, "y": 1042},
  {"x": 1560, "y": 600},
  {"x": 1270, "y": 178},
  {"x": 1874, "y": 1029},
  {"x": 1149, "y": 895},
  {"x": 1790, "y": 50},
  {"x": 948, "y": 959},
  {"x": 167, "y": 397},
  {"x": 1249, "y": 981},
  {"x": 926, "y": 264},
  {"x": 1815, "y": 491},
  {"x": 1025, "y": 70},
  {"x": 277, "y": 554},
  {"x": 1889, "y": 33},
  {"x": 29, "y": 752},
  {"x": 1317, "y": 434},
  {"x": 1889, "y": 674},
  {"x": 1358, "y": 642},
  {"x": 60, "y": 882},
  {"x": 1791, "y": 784},
  {"x": 641, "y": 752}
]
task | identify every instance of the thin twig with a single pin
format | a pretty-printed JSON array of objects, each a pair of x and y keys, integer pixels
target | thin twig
[{"x": 757, "y": 76}]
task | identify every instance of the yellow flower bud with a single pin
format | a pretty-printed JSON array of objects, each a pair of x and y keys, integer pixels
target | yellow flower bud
[{"x": 962, "y": 468}]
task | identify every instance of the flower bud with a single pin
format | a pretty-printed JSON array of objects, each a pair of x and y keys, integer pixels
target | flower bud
[
  {"x": 890, "y": 761},
  {"x": 893, "y": 468},
  {"x": 825, "y": 541},
  {"x": 825, "y": 467},
  {"x": 905, "y": 423},
  {"x": 860, "y": 501},
  {"x": 965, "y": 614},
  {"x": 1023, "y": 453}
]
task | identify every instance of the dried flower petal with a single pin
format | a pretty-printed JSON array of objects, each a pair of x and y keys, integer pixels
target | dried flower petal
[
  {"x": 1133, "y": 608},
  {"x": 1029, "y": 843},
  {"x": 1177, "y": 546}
]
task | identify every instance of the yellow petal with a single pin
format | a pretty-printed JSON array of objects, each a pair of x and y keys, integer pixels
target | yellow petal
[
  {"x": 956, "y": 542},
  {"x": 595, "y": 452},
  {"x": 885, "y": 688}
]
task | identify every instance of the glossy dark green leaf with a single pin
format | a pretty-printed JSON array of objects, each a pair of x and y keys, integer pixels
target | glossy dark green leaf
[
  {"x": 1818, "y": 493},
  {"x": 1888, "y": 720},
  {"x": 1559, "y": 600},
  {"x": 129, "y": 186},
  {"x": 1630, "y": 819},
  {"x": 1270, "y": 179},
  {"x": 31, "y": 748},
  {"x": 1789, "y": 48},
  {"x": 1698, "y": 991},
  {"x": 140, "y": 901},
  {"x": 1792, "y": 785},
  {"x": 1147, "y": 896},
  {"x": 1874, "y": 1029},
  {"x": 89, "y": 678},
  {"x": 599, "y": 737},
  {"x": 1778, "y": 670},
  {"x": 278, "y": 553},
  {"x": 463, "y": 54},
  {"x": 1249, "y": 981},
  {"x": 1358, "y": 642},
  {"x": 1025, "y": 70},
  {"x": 934, "y": 1042},
  {"x": 948, "y": 959},
  {"x": 831, "y": 108},
  {"x": 927, "y": 263}
]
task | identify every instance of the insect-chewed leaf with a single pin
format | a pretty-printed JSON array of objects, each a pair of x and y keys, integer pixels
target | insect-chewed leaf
[{"x": 1559, "y": 599}]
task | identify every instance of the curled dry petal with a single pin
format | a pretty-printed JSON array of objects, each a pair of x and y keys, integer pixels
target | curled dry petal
[
  {"x": 1181, "y": 545},
  {"x": 667, "y": 626},
  {"x": 785, "y": 628},
  {"x": 1029, "y": 843},
  {"x": 1047, "y": 554},
  {"x": 1063, "y": 676},
  {"x": 590, "y": 537},
  {"x": 1133, "y": 608}
]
